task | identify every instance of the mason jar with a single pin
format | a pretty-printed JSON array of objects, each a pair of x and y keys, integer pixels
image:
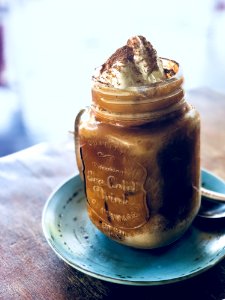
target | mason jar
[{"x": 138, "y": 153}]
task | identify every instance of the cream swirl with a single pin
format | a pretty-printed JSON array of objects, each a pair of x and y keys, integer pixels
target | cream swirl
[{"x": 135, "y": 64}]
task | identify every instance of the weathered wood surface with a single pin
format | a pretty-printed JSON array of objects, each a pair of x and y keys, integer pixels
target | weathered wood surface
[{"x": 28, "y": 267}]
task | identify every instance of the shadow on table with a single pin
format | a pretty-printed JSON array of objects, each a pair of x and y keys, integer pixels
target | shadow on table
[{"x": 207, "y": 286}]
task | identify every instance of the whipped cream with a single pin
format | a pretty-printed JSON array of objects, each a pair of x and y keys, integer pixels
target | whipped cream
[{"x": 135, "y": 64}]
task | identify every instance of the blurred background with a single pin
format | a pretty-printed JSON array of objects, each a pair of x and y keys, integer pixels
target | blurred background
[{"x": 49, "y": 49}]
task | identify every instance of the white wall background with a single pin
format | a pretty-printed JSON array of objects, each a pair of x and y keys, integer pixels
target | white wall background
[{"x": 55, "y": 45}]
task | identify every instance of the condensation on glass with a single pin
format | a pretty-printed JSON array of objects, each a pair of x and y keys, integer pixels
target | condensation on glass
[{"x": 138, "y": 152}]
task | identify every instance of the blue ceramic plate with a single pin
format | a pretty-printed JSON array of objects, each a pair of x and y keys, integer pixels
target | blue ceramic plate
[{"x": 72, "y": 236}]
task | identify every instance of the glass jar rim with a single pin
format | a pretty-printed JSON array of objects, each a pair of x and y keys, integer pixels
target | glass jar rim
[
  {"x": 140, "y": 104},
  {"x": 172, "y": 68}
]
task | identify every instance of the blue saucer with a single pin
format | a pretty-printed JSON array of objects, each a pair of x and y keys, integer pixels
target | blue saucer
[{"x": 74, "y": 239}]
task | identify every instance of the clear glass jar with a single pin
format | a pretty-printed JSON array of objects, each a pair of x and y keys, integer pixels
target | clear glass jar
[{"x": 138, "y": 152}]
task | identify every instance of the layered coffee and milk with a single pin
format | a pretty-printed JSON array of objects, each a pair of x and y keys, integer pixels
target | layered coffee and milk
[{"x": 137, "y": 149}]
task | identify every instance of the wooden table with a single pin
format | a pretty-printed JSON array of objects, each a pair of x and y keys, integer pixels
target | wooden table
[{"x": 28, "y": 267}]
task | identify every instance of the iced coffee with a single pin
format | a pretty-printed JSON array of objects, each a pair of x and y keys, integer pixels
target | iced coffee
[{"x": 138, "y": 149}]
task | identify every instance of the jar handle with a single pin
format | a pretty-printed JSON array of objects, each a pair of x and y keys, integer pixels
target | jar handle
[{"x": 77, "y": 142}]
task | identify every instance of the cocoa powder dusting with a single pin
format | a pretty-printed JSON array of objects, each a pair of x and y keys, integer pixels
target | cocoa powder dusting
[
  {"x": 151, "y": 52},
  {"x": 127, "y": 52},
  {"x": 122, "y": 54}
]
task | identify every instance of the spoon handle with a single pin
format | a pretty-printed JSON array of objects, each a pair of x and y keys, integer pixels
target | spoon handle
[{"x": 214, "y": 196}]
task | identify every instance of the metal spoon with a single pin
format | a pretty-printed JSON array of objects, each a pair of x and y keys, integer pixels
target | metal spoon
[{"x": 213, "y": 196}]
